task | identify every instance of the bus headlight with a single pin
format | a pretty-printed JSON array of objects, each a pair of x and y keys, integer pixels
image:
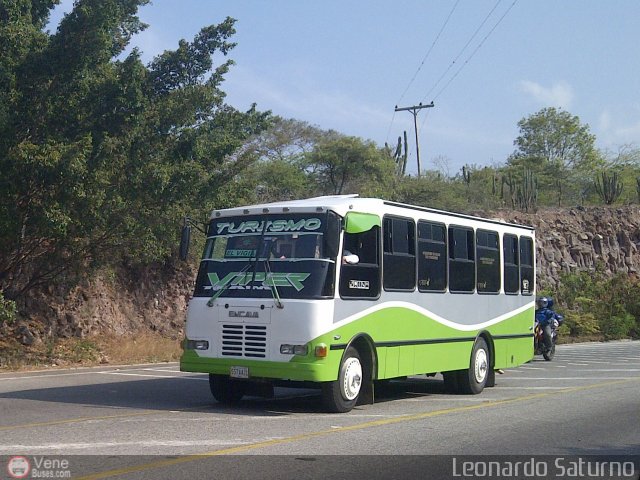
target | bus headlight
[
  {"x": 288, "y": 349},
  {"x": 196, "y": 345}
]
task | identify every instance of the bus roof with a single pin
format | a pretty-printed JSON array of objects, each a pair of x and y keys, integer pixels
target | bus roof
[{"x": 342, "y": 204}]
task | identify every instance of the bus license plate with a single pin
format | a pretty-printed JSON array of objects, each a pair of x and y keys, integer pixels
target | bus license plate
[{"x": 239, "y": 372}]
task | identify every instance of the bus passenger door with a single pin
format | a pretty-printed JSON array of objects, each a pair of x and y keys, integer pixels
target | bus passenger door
[{"x": 360, "y": 269}]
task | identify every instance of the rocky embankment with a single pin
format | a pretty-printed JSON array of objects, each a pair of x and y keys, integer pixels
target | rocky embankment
[{"x": 580, "y": 238}]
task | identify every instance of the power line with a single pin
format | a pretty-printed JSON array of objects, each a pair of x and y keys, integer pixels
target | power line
[
  {"x": 475, "y": 51},
  {"x": 421, "y": 65},
  {"x": 472, "y": 53},
  {"x": 462, "y": 50},
  {"x": 429, "y": 51}
]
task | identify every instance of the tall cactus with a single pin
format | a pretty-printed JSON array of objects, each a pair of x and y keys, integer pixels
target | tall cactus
[
  {"x": 527, "y": 192},
  {"x": 466, "y": 175},
  {"x": 638, "y": 188},
  {"x": 609, "y": 187},
  {"x": 400, "y": 155},
  {"x": 509, "y": 181}
]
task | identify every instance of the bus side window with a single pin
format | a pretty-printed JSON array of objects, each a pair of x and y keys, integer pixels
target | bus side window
[
  {"x": 488, "y": 261},
  {"x": 361, "y": 280},
  {"x": 399, "y": 257},
  {"x": 462, "y": 264},
  {"x": 511, "y": 264},
  {"x": 432, "y": 257},
  {"x": 527, "y": 275}
]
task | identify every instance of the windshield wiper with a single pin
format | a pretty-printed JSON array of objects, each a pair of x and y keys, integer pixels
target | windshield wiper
[
  {"x": 274, "y": 289},
  {"x": 224, "y": 287}
]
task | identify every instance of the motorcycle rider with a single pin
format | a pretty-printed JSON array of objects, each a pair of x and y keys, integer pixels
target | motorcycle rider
[{"x": 548, "y": 319}]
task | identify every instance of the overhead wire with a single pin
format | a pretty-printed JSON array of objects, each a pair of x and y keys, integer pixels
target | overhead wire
[
  {"x": 462, "y": 50},
  {"x": 451, "y": 65},
  {"x": 484, "y": 39},
  {"x": 476, "y": 50},
  {"x": 428, "y": 52},
  {"x": 424, "y": 59}
]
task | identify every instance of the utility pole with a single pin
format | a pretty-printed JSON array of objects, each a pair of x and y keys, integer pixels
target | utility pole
[{"x": 414, "y": 112}]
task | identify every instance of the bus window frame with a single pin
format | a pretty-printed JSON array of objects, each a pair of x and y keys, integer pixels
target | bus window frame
[
  {"x": 453, "y": 259},
  {"x": 505, "y": 264},
  {"x": 531, "y": 266},
  {"x": 376, "y": 230},
  {"x": 386, "y": 256},
  {"x": 498, "y": 261},
  {"x": 419, "y": 259}
]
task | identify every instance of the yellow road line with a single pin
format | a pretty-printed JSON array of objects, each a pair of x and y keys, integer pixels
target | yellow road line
[
  {"x": 359, "y": 426},
  {"x": 79, "y": 420}
]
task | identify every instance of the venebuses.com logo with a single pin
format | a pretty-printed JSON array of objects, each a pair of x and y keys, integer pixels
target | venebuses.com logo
[
  {"x": 18, "y": 467},
  {"x": 38, "y": 467}
]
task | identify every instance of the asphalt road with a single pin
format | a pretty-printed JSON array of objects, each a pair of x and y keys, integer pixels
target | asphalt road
[{"x": 152, "y": 421}]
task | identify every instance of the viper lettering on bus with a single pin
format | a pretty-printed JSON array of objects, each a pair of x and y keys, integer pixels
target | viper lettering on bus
[
  {"x": 272, "y": 226},
  {"x": 239, "y": 280}
]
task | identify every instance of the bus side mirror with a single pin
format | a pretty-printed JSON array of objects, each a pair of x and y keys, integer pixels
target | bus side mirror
[
  {"x": 185, "y": 240},
  {"x": 332, "y": 235}
]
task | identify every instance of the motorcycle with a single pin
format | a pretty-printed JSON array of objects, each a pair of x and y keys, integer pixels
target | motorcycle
[
  {"x": 545, "y": 315},
  {"x": 539, "y": 348}
]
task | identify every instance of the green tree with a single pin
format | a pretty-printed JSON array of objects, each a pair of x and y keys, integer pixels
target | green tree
[
  {"x": 101, "y": 156},
  {"x": 289, "y": 140},
  {"x": 431, "y": 190},
  {"x": 280, "y": 180},
  {"x": 349, "y": 164},
  {"x": 626, "y": 162},
  {"x": 560, "y": 151}
]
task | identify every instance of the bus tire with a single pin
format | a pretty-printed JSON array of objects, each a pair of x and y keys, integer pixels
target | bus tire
[
  {"x": 225, "y": 390},
  {"x": 473, "y": 380},
  {"x": 341, "y": 395}
]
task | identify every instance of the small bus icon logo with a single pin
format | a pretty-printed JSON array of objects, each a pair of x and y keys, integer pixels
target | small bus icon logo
[{"x": 18, "y": 467}]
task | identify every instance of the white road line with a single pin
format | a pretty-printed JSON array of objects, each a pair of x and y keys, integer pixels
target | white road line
[
  {"x": 53, "y": 373},
  {"x": 165, "y": 370},
  {"x": 153, "y": 376},
  {"x": 433, "y": 399},
  {"x": 578, "y": 364},
  {"x": 27, "y": 377},
  {"x": 140, "y": 443},
  {"x": 610, "y": 369},
  {"x": 598, "y": 362},
  {"x": 567, "y": 378},
  {"x": 502, "y": 387}
]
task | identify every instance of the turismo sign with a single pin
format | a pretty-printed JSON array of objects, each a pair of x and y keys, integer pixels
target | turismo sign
[{"x": 269, "y": 226}]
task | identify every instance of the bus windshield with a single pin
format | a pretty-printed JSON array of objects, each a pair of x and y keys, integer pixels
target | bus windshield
[{"x": 248, "y": 256}]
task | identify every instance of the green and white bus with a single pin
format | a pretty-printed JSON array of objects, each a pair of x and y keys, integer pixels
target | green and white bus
[{"x": 342, "y": 291}]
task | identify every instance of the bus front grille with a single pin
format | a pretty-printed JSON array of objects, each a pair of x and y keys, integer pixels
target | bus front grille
[{"x": 240, "y": 340}]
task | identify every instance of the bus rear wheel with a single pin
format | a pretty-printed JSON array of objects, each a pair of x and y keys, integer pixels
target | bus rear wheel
[
  {"x": 341, "y": 395},
  {"x": 225, "y": 390},
  {"x": 474, "y": 379}
]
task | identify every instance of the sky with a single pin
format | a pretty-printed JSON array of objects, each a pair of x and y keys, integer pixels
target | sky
[{"x": 486, "y": 64}]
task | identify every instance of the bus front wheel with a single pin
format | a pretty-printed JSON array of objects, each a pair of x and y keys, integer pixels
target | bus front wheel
[
  {"x": 225, "y": 390},
  {"x": 341, "y": 395}
]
